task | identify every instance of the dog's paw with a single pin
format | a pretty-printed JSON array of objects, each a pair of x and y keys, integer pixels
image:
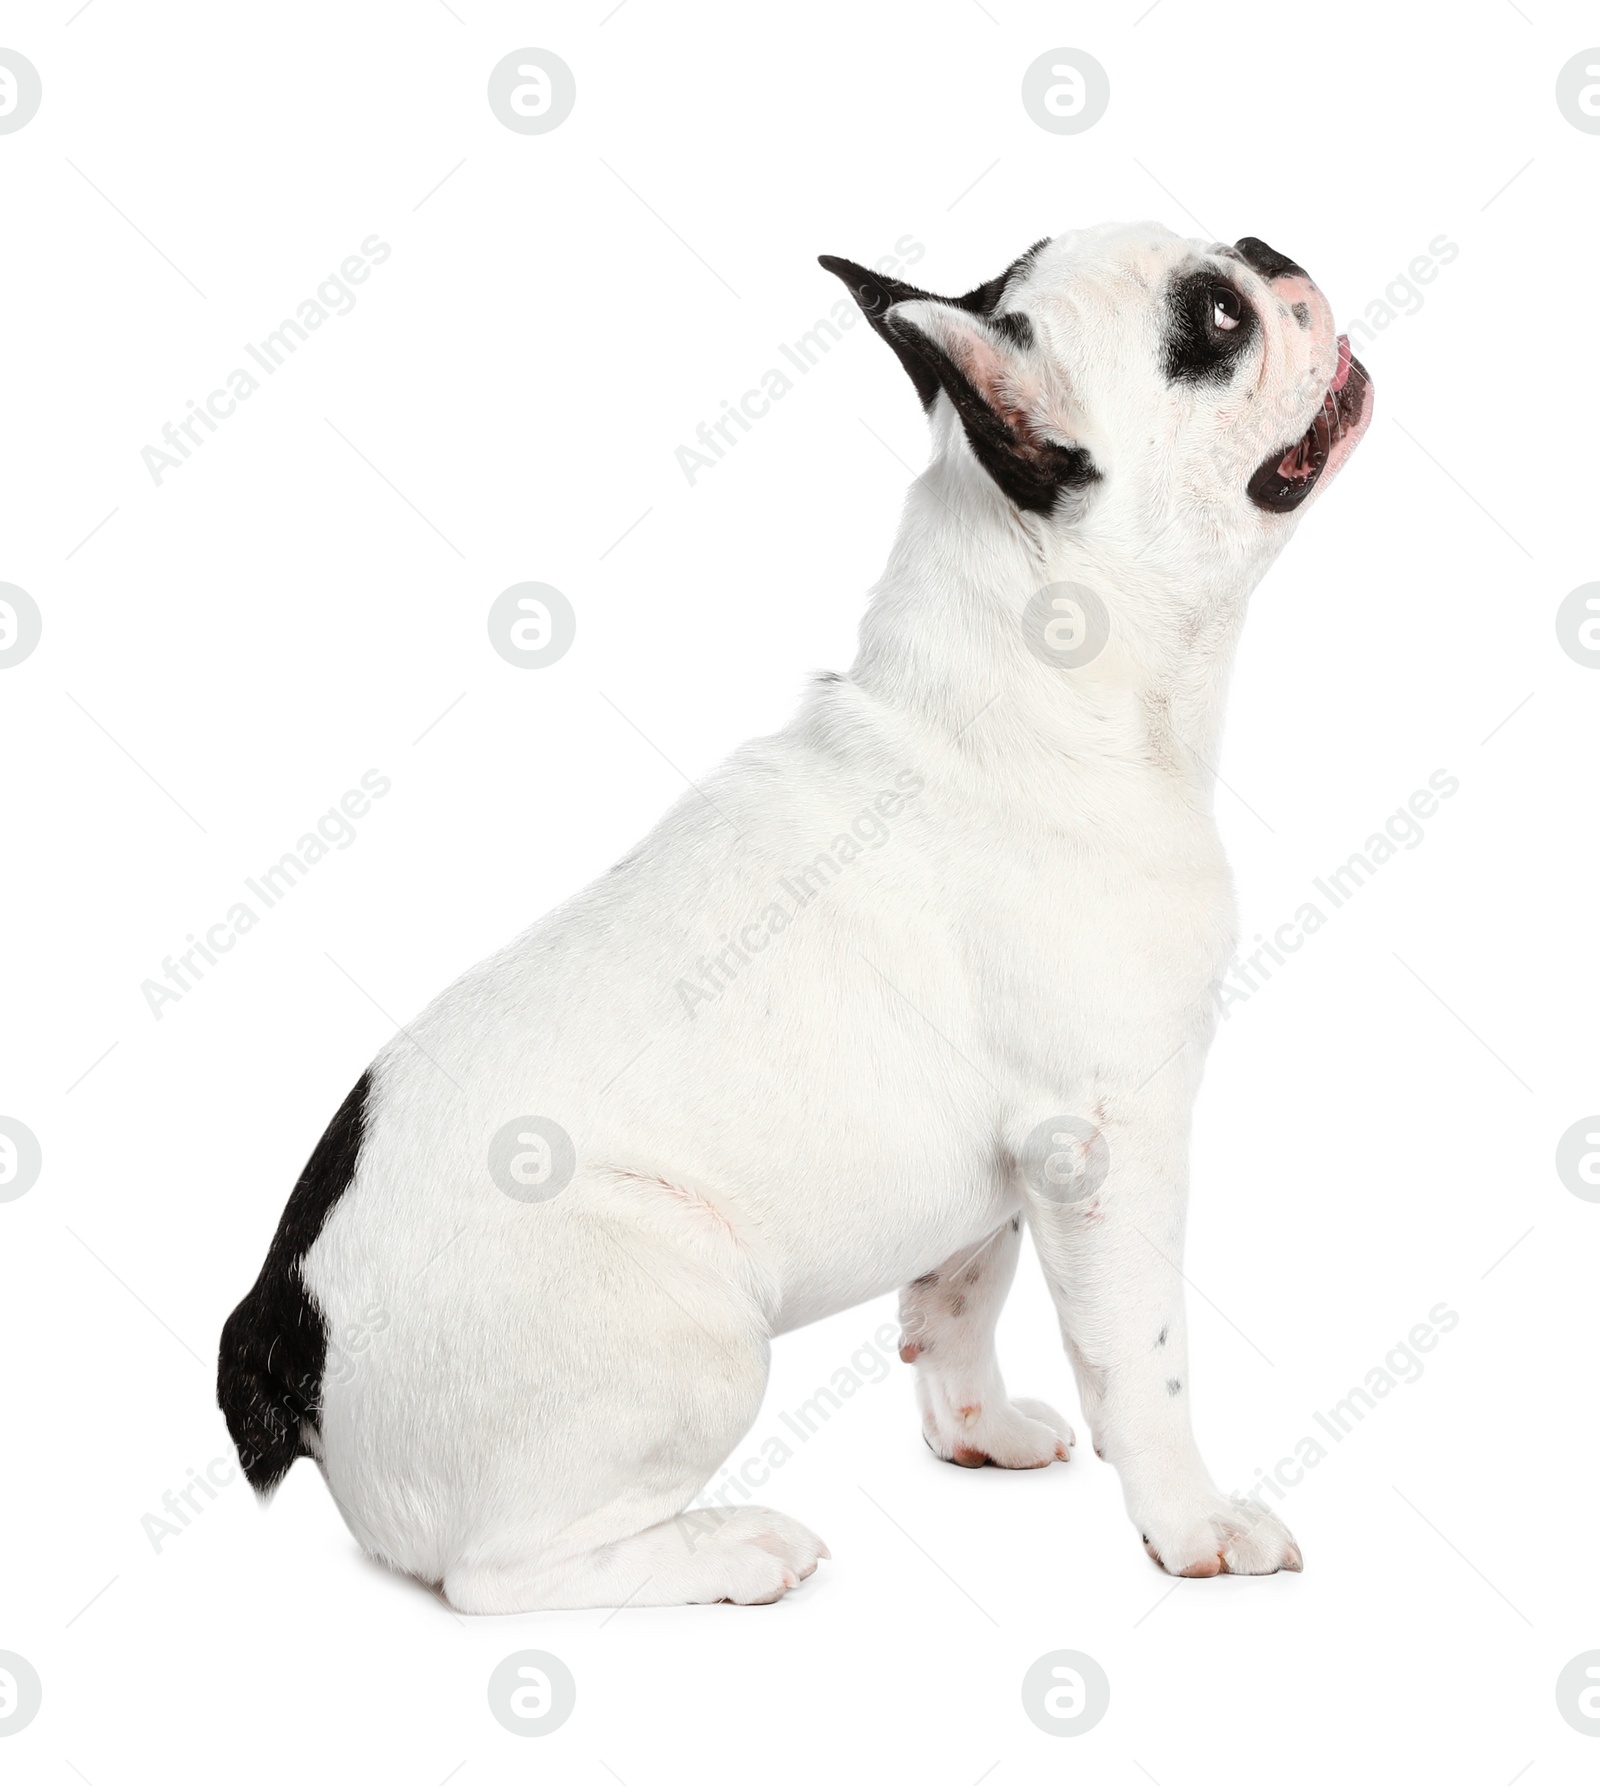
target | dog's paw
[
  {"x": 750, "y": 1556},
  {"x": 1217, "y": 1536},
  {"x": 1019, "y": 1435}
]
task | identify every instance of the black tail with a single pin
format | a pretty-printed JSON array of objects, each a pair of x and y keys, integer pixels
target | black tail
[{"x": 274, "y": 1346}]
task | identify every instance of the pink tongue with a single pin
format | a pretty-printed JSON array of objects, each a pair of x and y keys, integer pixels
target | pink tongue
[{"x": 1344, "y": 365}]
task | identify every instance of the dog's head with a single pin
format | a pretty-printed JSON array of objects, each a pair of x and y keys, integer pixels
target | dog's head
[{"x": 1176, "y": 388}]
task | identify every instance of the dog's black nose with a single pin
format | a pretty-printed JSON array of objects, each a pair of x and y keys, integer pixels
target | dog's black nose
[{"x": 1259, "y": 258}]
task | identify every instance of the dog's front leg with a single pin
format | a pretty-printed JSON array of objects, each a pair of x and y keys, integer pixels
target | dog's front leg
[{"x": 1105, "y": 1197}]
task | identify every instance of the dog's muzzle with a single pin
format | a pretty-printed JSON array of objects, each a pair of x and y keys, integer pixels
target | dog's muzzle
[{"x": 1285, "y": 479}]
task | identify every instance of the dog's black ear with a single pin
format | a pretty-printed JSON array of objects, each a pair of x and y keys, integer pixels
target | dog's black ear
[
  {"x": 1017, "y": 415},
  {"x": 875, "y": 293}
]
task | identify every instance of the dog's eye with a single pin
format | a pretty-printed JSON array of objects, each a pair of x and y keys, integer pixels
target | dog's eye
[{"x": 1227, "y": 308}]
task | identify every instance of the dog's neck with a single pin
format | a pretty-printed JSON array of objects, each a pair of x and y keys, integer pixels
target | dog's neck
[{"x": 943, "y": 645}]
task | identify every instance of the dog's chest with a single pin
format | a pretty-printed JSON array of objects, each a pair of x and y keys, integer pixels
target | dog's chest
[{"x": 1076, "y": 940}]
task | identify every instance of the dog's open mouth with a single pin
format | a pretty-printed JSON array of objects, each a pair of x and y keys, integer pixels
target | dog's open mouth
[{"x": 1285, "y": 479}]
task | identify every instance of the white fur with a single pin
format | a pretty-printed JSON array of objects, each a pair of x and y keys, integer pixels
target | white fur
[{"x": 1038, "y": 933}]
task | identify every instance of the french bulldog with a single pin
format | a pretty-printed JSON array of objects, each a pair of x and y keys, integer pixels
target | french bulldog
[{"x": 934, "y": 962}]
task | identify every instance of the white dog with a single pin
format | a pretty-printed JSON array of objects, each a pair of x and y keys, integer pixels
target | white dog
[{"x": 935, "y": 960}]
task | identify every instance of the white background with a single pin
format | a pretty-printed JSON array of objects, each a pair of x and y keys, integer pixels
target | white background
[{"x": 234, "y": 647}]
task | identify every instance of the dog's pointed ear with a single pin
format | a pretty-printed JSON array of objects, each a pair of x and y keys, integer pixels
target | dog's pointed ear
[
  {"x": 1017, "y": 418},
  {"x": 876, "y": 293}
]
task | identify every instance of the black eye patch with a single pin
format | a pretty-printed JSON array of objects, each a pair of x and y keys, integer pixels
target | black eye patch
[{"x": 1195, "y": 349}]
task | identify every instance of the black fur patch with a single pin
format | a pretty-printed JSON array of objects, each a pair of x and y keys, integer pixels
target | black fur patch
[
  {"x": 876, "y": 292},
  {"x": 274, "y": 1345},
  {"x": 1196, "y": 350},
  {"x": 984, "y": 299},
  {"x": 1031, "y": 473}
]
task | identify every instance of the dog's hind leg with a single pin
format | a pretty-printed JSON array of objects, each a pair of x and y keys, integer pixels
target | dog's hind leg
[
  {"x": 641, "y": 1544},
  {"x": 603, "y": 1397},
  {"x": 947, "y": 1323},
  {"x": 748, "y": 1556}
]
